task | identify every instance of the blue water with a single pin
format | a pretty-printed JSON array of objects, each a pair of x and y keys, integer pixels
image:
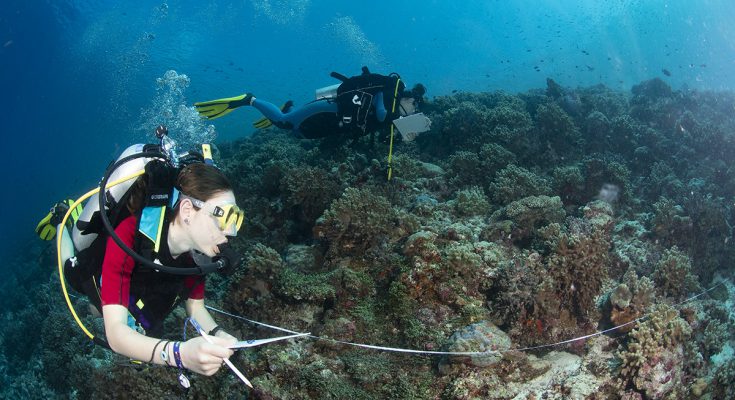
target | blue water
[{"x": 79, "y": 78}]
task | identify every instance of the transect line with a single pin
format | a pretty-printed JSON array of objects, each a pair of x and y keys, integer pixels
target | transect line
[{"x": 461, "y": 353}]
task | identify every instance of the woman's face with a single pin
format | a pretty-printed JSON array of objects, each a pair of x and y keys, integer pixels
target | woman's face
[{"x": 204, "y": 228}]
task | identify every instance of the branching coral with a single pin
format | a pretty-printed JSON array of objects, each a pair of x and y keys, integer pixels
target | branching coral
[
  {"x": 465, "y": 169},
  {"x": 602, "y": 171},
  {"x": 309, "y": 190},
  {"x": 514, "y": 183},
  {"x": 579, "y": 265},
  {"x": 630, "y": 300},
  {"x": 558, "y": 132},
  {"x": 335, "y": 249},
  {"x": 673, "y": 275},
  {"x": 472, "y": 202},
  {"x": 356, "y": 221},
  {"x": 670, "y": 223},
  {"x": 468, "y": 168},
  {"x": 530, "y": 213},
  {"x": 653, "y": 358},
  {"x": 568, "y": 183}
]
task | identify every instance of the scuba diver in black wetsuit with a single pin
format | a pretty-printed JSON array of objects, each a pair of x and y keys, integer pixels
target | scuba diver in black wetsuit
[{"x": 359, "y": 105}]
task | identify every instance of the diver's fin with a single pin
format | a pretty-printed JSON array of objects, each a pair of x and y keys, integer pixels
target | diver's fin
[
  {"x": 266, "y": 123},
  {"x": 220, "y": 107},
  {"x": 262, "y": 123},
  {"x": 46, "y": 228}
]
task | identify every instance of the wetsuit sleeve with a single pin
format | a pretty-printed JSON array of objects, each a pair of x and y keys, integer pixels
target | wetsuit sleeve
[
  {"x": 117, "y": 267},
  {"x": 196, "y": 286},
  {"x": 380, "y": 111}
]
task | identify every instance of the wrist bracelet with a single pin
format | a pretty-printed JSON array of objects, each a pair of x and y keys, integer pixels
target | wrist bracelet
[
  {"x": 183, "y": 380},
  {"x": 153, "y": 353},
  {"x": 177, "y": 355},
  {"x": 164, "y": 353},
  {"x": 214, "y": 330}
]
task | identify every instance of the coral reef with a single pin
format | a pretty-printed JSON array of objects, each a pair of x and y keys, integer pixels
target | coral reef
[
  {"x": 673, "y": 275},
  {"x": 653, "y": 360},
  {"x": 520, "y": 220},
  {"x": 514, "y": 183},
  {"x": 356, "y": 221}
]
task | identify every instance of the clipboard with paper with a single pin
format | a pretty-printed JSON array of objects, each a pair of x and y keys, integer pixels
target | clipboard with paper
[{"x": 414, "y": 123}]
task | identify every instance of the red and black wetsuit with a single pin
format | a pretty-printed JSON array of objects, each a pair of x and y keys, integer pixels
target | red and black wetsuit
[{"x": 149, "y": 295}]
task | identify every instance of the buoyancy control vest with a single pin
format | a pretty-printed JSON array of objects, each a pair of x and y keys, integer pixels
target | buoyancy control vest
[
  {"x": 159, "y": 165},
  {"x": 152, "y": 293},
  {"x": 356, "y": 98}
]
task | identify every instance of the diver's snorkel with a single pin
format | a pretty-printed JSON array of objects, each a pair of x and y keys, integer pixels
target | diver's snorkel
[{"x": 226, "y": 260}]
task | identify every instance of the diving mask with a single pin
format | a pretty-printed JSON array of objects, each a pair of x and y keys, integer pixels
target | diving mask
[{"x": 227, "y": 215}]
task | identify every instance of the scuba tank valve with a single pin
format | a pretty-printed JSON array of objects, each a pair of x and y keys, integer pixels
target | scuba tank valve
[{"x": 168, "y": 145}]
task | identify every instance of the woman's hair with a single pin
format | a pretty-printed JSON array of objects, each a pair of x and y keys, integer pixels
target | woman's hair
[
  {"x": 200, "y": 181},
  {"x": 417, "y": 92}
]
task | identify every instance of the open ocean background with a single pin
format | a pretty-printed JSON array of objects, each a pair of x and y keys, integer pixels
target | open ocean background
[
  {"x": 571, "y": 208},
  {"x": 79, "y": 78}
]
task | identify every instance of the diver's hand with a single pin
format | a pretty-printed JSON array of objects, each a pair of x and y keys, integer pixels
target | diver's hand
[
  {"x": 409, "y": 136},
  {"x": 224, "y": 335},
  {"x": 203, "y": 357}
]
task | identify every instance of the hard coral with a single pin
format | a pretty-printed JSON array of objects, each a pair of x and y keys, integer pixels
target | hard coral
[
  {"x": 356, "y": 221},
  {"x": 309, "y": 191},
  {"x": 472, "y": 202},
  {"x": 514, "y": 183},
  {"x": 653, "y": 357},
  {"x": 530, "y": 213},
  {"x": 478, "y": 337},
  {"x": 673, "y": 275},
  {"x": 568, "y": 183},
  {"x": 578, "y": 264},
  {"x": 558, "y": 132}
]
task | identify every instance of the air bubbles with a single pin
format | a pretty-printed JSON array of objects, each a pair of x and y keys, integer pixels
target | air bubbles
[
  {"x": 170, "y": 108},
  {"x": 346, "y": 30},
  {"x": 282, "y": 12},
  {"x": 609, "y": 193}
]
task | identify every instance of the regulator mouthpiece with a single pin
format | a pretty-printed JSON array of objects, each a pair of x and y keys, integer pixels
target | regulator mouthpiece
[{"x": 228, "y": 259}]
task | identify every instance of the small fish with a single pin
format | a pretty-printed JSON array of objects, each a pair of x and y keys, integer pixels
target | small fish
[
  {"x": 666, "y": 72},
  {"x": 8, "y": 43},
  {"x": 589, "y": 68},
  {"x": 585, "y": 52},
  {"x": 703, "y": 65}
]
